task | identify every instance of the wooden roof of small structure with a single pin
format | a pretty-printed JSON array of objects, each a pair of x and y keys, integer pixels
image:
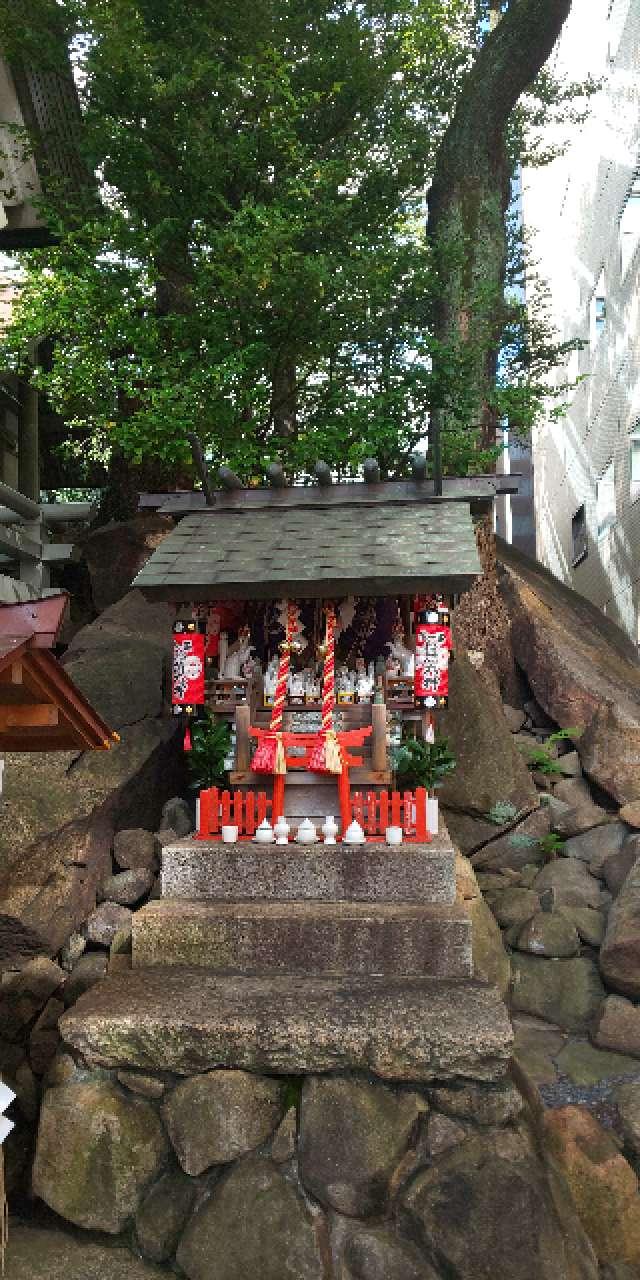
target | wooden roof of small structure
[
  {"x": 41, "y": 709},
  {"x": 387, "y": 538}
]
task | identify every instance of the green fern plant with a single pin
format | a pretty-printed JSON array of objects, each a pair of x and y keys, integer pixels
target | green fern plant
[
  {"x": 423, "y": 764},
  {"x": 540, "y": 759},
  {"x": 210, "y": 746}
]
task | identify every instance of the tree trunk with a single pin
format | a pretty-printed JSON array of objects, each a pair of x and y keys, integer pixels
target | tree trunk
[
  {"x": 284, "y": 398},
  {"x": 468, "y": 201}
]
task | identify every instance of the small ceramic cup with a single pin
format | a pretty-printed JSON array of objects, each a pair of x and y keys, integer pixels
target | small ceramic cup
[
  {"x": 229, "y": 835},
  {"x": 393, "y": 835}
]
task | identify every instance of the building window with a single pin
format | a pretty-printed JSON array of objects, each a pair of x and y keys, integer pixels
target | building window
[
  {"x": 630, "y": 227},
  {"x": 634, "y": 463},
  {"x": 606, "y": 500},
  {"x": 578, "y": 536}
]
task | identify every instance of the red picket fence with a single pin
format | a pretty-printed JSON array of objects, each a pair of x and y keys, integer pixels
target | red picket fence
[
  {"x": 377, "y": 810},
  {"x": 374, "y": 810},
  {"x": 244, "y": 810}
]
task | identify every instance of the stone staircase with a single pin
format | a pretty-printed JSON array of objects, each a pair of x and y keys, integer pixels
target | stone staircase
[{"x": 330, "y": 911}]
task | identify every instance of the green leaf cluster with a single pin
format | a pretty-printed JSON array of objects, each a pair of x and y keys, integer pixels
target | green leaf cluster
[
  {"x": 210, "y": 746},
  {"x": 255, "y": 269},
  {"x": 423, "y": 764}
]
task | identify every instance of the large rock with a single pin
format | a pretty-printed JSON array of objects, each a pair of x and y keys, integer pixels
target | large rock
[
  {"x": 377, "y": 1253},
  {"x": 485, "y": 1105},
  {"x": 124, "y": 683},
  {"x": 583, "y": 670},
  {"x": 34, "y": 1252},
  {"x": 584, "y": 1065},
  {"x": 490, "y": 960},
  {"x": 352, "y": 1138},
  {"x": 616, "y": 868},
  {"x": 603, "y": 1185},
  {"x": 127, "y": 887},
  {"x": 570, "y": 883},
  {"x": 490, "y": 767},
  {"x": 597, "y": 844},
  {"x": 628, "y": 1103},
  {"x": 254, "y": 1223},
  {"x": 515, "y": 906},
  {"x": 163, "y": 1215},
  {"x": 214, "y": 1118},
  {"x": 135, "y": 849},
  {"x": 190, "y": 1020},
  {"x": 59, "y": 810},
  {"x": 98, "y": 1150},
  {"x": 116, "y": 552},
  {"x": 583, "y": 817},
  {"x": 618, "y": 1026},
  {"x": 488, "y": 1208},
  {"x": 517, "y": 848},
  {"x": 620, "y": 951},
  {"x": 49, "y": 887},
  {"x": 566, "y": 992},
  {"x": 549, "y": 934}
]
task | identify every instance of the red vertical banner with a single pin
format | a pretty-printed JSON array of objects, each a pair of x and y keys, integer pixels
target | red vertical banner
[
  {"x": 187, "y": 681},
  {"x": 433, "y": 646}
]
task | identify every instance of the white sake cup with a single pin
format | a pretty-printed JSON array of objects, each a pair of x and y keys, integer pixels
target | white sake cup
[
  {"x": 393, "y": 835},
  {"x": 229, "y": 835}
]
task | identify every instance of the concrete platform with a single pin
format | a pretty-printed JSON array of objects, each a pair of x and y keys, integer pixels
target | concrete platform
[
  {"x": 332, "y": 873},
  {"x": 305, "y": 937},
  {"x": 190, "y": 1020}
]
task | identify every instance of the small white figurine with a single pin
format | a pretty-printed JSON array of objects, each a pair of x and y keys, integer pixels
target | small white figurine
[
  {"x": 354, "y": 834},
  {"x": 270, "y": 681},
  {"x": 364, "y": 681},
  {"x": 281, "y": 830},
  {"x": 329, "y": 830},
  {"x": 399, "y": 652},
  {"x": 240, "y": 655}
]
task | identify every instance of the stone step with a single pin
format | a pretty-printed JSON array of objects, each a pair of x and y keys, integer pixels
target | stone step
[
  {"x": 332, "y": 873},
  {"x": 190, "y": 1020},
  {"x": 305, "y": 937}
]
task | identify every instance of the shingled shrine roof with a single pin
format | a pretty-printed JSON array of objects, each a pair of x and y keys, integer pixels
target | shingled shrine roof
[
  {"x": 41, "y": 709},
  {"x": 383, "y": 539}
]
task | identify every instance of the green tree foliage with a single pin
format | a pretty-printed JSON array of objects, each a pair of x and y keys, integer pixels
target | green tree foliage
[{"x": 255, "y": 268}]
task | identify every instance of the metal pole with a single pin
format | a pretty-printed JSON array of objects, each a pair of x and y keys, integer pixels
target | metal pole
[{"x": 28, "y": 443}]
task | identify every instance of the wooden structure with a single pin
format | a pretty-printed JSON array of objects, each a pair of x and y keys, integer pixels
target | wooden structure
[
  {"x": 41, "y": 709},
  {"x": 377, "y": 544}
]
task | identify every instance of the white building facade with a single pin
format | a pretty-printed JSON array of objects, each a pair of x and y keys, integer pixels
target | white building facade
[{"x": 582, "y": 218}]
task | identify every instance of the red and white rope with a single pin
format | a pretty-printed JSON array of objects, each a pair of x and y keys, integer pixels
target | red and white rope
[
  {"x": 329, "y": 673},
  {"x": 280, "y": 695}
]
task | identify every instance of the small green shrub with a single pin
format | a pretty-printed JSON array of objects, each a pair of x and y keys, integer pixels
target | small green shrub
[
  {"x": 502, "y": 813},
  {"x": 423, "y": 764},
  {"x": 540, "y": 759},
  {"x": 210, "y": 746}
]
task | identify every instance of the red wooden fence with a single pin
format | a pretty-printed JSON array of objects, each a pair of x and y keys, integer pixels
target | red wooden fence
[{"x": 374, "y": 810}]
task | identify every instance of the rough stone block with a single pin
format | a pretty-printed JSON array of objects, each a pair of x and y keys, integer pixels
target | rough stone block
[
  {"x": 215, "y": 1117},
  {"x": 98, "y": 1149},
  {"x": 369, "y": 873},
  {"x": 353, "y": 1135},
  {"x": 305, "y": 937},
  {"x": 191, "y": 1020}
]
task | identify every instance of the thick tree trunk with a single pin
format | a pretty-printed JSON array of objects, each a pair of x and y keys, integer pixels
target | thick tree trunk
[
  {"x": 468, "y": 201},
  {"x": 284, "y": 398}
]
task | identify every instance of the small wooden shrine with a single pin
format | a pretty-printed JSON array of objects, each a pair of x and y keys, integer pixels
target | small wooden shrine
[
  {"x": 315, "y": 620},
  {"x": 41, "y": 709}
]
